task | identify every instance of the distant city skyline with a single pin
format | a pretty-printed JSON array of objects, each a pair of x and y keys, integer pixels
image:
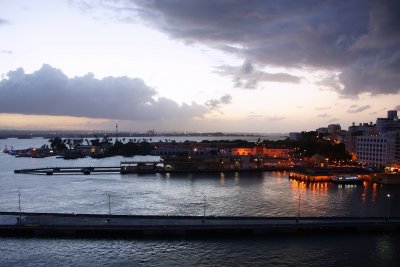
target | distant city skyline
[{"x": 197, "y": 66}]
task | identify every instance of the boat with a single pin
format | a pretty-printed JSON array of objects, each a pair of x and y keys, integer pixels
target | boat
[
  {"x": 346, "y": 179},
  {"x": 10, "y": 151}
]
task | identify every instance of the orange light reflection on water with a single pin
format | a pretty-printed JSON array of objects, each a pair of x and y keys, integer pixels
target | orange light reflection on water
[
  {"x": 365, "y": 192},
  {"x": 374, "y": 193},
  {"x": 316, "y": 188}
]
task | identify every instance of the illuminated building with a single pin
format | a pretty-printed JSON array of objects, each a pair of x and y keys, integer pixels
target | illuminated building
[{"x": 383, "y": 149}]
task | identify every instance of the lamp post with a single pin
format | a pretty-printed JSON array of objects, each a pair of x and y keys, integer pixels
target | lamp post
[
  {"x": 204, "y": 209},
  {"x": 19, "y": 206},
  {"x": 116, "y": 132},
  {"x": 109, "y": 208},
  {"x": 388, "y": 211},
  {"x": 298, "y": 210}
]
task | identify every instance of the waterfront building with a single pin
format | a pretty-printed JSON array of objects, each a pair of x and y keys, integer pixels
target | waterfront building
[
  {"x": 382, "y": 147},
  {"x": 372, "y": 150},
  {"x": 379, "y": 150},
  {"x": 391, "y": 123},
  {"x": 350, "y": 139},
  {"x": 262, "y": 151}
]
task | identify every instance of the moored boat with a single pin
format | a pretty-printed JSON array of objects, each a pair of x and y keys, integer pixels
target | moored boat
[{"x": 346, "y": 179}]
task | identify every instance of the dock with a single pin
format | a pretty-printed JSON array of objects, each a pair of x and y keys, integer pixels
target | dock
[
  {"x": 122, "y": 170},
  {"x": 70, "y": 170},
  {"x": 123, "y": 226}
]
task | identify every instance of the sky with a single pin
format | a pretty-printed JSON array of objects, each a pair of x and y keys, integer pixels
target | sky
[{"x": 197, "y": 65}]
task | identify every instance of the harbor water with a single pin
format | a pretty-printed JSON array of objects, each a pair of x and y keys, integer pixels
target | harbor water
[{"x": 230, "y": 194}]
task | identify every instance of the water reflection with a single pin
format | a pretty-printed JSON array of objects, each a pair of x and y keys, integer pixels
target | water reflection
[
  {"x": 374, "y": 191},
  {"x": 237, "y": 178},
  {"x": 365, "y": 191},
  {"x": 247, "y": 194},
  {"x": 222, "y": 178},
  {"x": 384, "y": 248},
  {"x": 316, "y": 188}
]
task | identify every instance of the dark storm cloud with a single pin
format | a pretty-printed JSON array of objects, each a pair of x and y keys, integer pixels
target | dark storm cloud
[
  {"x": 216, "y": 103},
  {"x": 357, "y": 109},
  {"x": 359, "y": 39},
  {"x": 49, "y": 92},
  {"x": 247, "y": 77}
]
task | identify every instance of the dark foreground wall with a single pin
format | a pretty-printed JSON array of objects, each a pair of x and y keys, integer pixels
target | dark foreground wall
[{"x": 97, "y": 225}]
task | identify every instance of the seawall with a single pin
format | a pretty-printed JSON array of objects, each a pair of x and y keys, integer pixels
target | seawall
[{"x": 124, "y": 226}]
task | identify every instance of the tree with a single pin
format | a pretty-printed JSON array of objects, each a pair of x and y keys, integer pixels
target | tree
[{"x": 57, "y": 143}]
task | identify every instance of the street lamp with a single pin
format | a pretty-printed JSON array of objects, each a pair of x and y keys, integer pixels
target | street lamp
[
  {"x": 19, "y": 206},
  {"x": 109, "y": 208},
  {"x": 298, "y": 210},
  {"x": 388, "y": 211},
  {"x": 204, "y": 209}
]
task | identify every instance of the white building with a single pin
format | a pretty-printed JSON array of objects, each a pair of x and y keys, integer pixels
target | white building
[
  {"x": 379, "y": 150},
  {"x": 391, "y": 123}
]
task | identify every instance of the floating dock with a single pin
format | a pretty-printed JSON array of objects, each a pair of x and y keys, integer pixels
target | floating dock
[{"x": 123, "y": 226}]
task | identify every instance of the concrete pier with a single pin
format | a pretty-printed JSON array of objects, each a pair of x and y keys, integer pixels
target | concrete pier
[
  {"x": 117, "y": 169},
  {"x": 98, "y": 225}
]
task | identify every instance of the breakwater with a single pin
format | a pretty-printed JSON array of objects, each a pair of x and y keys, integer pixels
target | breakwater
[{"x": 106, "y": 225}]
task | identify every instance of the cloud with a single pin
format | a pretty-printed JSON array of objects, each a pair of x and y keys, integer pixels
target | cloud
[
  {"x": 357, "y": 109},
  {"x": 247, "y": 77},
  {"x": 226, "y": 99},
  {"x": 358, "y": 41},
  {"x": 4, "y": 22},
  {"x": 252, "y": 115},
  {"x": 48, "y": 91},
  {"x": 333, "y": 120},
  {"x": 323, "y": 108},
  {"x": 274, "y": 118},
  {"x": 397, "y": 107},
  {"x": 324, "y": 115},
  {"x": 213, "y": 104},
  {"x": 6, "y": 52}
]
